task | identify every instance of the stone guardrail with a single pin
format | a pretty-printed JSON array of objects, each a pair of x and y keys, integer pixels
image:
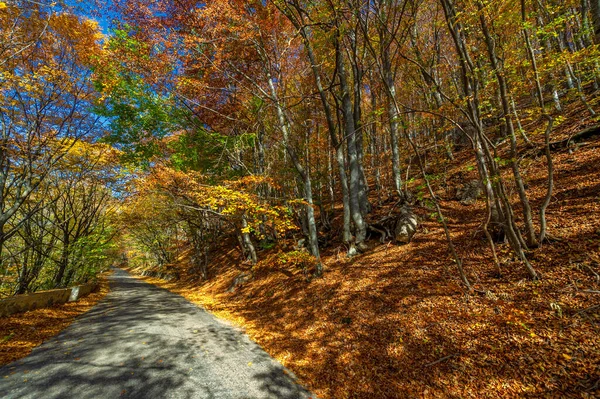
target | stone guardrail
[{"x": 44, "y": 299}]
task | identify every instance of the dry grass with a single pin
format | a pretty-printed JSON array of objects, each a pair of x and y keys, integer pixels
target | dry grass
[{"x": 20, "y": 333}]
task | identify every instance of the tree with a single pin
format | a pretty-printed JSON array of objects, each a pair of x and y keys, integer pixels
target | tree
[{"x": 45, "y": 94}]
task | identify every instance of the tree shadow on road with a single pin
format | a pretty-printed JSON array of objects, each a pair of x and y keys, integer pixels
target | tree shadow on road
[{"x": 140, "y": 343}]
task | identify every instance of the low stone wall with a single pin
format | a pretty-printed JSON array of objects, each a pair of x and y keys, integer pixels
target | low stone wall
[{"x": 44, "y": 299}]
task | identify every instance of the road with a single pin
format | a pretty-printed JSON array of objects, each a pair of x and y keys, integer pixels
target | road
[{"x": 141, "y": 341}]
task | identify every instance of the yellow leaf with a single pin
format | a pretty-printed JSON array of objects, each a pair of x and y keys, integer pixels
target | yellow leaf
[
  {"x": 2, "y": 5},
  {"x": 567, "y": 356}
]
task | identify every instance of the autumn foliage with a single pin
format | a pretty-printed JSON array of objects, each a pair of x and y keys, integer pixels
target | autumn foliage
[{"x": 269, "y": 154}]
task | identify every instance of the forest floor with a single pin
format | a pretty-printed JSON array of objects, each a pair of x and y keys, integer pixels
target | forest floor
[
  {"x": 395, "y": 322},
  {"x": 21, "y": 332}
]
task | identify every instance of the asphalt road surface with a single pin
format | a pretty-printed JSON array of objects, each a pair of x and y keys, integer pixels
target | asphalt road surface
[{"x": 145, "y": 342}]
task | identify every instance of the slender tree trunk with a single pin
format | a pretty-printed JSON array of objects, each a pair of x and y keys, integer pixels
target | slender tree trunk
[
  {"x": 394, "y": 119},
  {"x": 503, "y": 87},
  {"x": 304, "y": 175},
  {"x": 532, "y": 58},
  {"x": 353, "y": 161},
  {"x": 470, "y": 88},
  {"x": 579, "y": 89},
  {"x": 341, "y": 161},
  {"x": 363, "y": 193},
  {"x": 595, "y": 8},
  {"x": 550, "y": 180},
  {"x": 64, "y": 261},
  {"x": 331, "y": 176},
  {"x": 373, "y": 149},
  {"x": 518, "y": 120},
  {"x": 335, "y": 142},
  {"x": 248, "y": 241},
  {"x": 546, "y": 116},
  {"x": 23, "y": 282},
  {"x": 585, "y": 23}
]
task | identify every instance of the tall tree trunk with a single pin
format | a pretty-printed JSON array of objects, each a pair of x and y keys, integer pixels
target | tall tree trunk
[
  {"x": 360, "y": 226},
  {"x": 373, "y": 148},
  {"x": 331, "y": 127},
  {"x": 595, "y": 8},
  {"x": 363, "y": 194},
  {"x": 585, "y": 23},
  {"x": 550, "y": 167},
  {"x": 504, "y": 97},
  {"x": 394, "y": 118},
  {"x": 470, "y": 88},
  {"x": 305, "y": 176}
]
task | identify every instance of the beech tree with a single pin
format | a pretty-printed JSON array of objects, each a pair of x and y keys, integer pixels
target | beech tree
[{"x": 345, "y": 95}]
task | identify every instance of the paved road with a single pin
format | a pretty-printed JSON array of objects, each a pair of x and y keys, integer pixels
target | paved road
[{"x": 145, "y": 342}]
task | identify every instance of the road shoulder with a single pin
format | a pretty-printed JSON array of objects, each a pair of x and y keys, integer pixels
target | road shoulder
[{"x": 22, "y": 332}]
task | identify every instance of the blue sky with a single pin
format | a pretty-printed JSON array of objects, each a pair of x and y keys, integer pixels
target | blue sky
[{"x": 98, "y": 10}]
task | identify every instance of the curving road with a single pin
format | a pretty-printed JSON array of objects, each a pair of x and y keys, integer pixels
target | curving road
[{"x": 145, "y": 342}]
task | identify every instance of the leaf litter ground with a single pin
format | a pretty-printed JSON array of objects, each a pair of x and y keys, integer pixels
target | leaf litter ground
[
  {"x": 395, "y": 323},
  {"x": 21, "y": 332}
]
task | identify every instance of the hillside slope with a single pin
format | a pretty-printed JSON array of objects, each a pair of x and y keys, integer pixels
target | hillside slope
[{"x": 395, "y": 322}]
